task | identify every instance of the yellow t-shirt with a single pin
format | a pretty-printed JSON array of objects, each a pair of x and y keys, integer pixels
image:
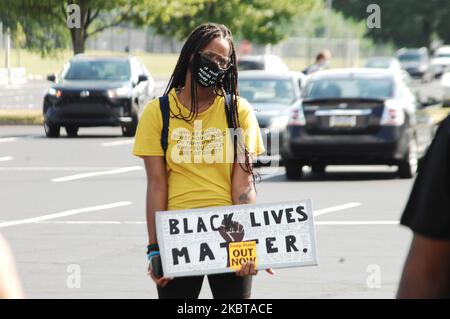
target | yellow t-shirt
[{"x": 199, "y": 156}]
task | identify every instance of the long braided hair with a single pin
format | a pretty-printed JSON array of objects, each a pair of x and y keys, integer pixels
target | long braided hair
[{"x": 196, "y": 41}]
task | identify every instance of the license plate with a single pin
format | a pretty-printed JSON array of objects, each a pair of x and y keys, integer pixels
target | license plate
[{"x": 342, "y": 121}]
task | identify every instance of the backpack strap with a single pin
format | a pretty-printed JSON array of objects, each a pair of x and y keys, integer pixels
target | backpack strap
[
  {"x": 228, "y": 110},
  {"x": 229, "y": 115},
  {"x": 165, "y": 112}
]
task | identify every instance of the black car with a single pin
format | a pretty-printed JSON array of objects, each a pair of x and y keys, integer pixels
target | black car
[
  {"x": 270, "y": 94},
  {"x": 356, "y": 116},
  {"x": 97, "y": 91},
  {"x": 416, "y": 62}
]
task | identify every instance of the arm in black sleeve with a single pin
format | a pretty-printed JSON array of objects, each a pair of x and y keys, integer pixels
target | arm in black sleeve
[{"x": 428, "y": 210}]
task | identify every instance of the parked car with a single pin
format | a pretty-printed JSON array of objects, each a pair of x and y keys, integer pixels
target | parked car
[
  {"x": 271, "y": 94},
  {"x": 97, "y": 91},
  {"x": 356, "y": 116},
  {"x": 381, "y": 62},
  {"x": 267, "y": 62},
  {"x": 416, "y": 62},
  {"x": 388, "y": 63},
  {"x": 445, "y": 83},
  {"x": 440, "y": 61}
]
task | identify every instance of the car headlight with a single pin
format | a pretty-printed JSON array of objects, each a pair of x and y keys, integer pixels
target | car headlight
[
  {"x": 119, "y": 92},
  {"x": 54, "y": 92}
]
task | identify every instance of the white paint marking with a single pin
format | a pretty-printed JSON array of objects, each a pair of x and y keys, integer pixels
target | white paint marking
[
  {"x": 56, "y": 168},
  {"x": 92, "y": 174},
  {"x": 118, "y": 143},
  {"x": 8, "y": 139},
  {"x": 82, "y": 222},
  {"x": 335, "y": 208},
  {"x": 64, "y": 214},
  {"x": 6, "y": 158},
  {"x": 358, "y": 223},
  {"x": 327, "y": 223}
]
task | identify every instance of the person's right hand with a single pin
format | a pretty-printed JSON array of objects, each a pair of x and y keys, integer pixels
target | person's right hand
[{"x": 162, "y": 281}]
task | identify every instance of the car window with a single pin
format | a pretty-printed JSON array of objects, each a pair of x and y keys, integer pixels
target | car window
[
  {"x": 250, "y": 65},
  {"x": 105, "y": 70},
  {"x": 378, "y": 64},
  {"x": 443, "y": 55},
  {"x": 279, "y": 91},
  {"x": 349, "y": 88},
  {"x": 410, "y": 57}
]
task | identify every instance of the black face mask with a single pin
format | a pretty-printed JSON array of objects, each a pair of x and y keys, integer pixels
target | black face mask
[{"x": 209, "y": 73}]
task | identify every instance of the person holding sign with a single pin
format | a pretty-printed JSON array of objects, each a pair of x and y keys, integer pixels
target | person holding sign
[{"x": 193, "y": 156}]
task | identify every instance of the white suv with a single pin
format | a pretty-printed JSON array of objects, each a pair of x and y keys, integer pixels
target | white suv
[{"x": 440, "y": 61}]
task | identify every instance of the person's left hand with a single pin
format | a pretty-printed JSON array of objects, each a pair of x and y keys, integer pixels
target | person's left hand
[{"x": 249, "y": 269}]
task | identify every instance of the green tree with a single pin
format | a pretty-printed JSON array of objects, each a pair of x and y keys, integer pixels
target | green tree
[
  {"x": 405, "y": 23},
  {"x": 45, "y": 21},
  {"x": 262, "y": 21}
]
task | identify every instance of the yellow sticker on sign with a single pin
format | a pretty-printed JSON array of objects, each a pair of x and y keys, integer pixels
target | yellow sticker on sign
[{"x": 241, "y": 252}]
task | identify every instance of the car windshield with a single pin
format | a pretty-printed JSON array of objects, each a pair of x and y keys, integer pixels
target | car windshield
[
  {"x": 409, "y": 57},
  {"x": 98, "y": 70},
  {"x": 379, "y": 64},
  {"x": 443, "y": 55},
  {"x": 250, "y": 65},
  {"x": 379, "y": 88},
  {"x": 278, "y": 91}
]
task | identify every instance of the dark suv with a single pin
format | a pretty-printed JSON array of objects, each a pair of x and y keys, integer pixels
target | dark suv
[{"x": 97, "y": 91}]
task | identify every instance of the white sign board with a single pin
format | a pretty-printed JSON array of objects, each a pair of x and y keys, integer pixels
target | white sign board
[{"x": 203, "y": 241}]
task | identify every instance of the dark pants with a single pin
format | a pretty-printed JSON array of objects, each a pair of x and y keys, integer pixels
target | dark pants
[{"x": 223, "y": 286}]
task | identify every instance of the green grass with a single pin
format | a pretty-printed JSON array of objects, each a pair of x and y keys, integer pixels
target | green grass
[
  {"x": 299, "y": 64},
  {"x": 159, "y": 65},
  {"x": 438, "y": 113},
  {"x": 21, "y": 117}
]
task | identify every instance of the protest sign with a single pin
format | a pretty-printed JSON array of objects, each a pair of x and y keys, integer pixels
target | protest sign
[{"x": 219, "y": 239}]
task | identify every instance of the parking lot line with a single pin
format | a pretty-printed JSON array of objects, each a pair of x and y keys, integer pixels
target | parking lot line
[
  {"x": 64, "y": 214},
  {"x": 8, "y": 139},
  {"x": 100, "y": 173},
  {"x": 118, "y": 143},
  {"x": 322, "y": 223},
  {"x": 56, "y": 168},
  {"x": 6, "y": 158},
  {"x": 358, "y": 223},
  {"x": 335, "y": 209},
  {"x": 115, "y": 222}
]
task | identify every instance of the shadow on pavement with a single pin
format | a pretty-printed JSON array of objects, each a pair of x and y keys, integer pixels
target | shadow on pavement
[{"x": 336, "y": 177}]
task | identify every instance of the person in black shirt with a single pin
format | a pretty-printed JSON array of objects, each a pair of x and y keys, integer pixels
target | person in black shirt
[{"x": 426, "y": 273}]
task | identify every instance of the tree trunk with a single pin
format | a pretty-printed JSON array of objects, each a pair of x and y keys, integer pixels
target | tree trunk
[
  {"x": 78, "y": 40},
  {"x": 79, "y": 35},
  {"x": 427, "y": 33}
]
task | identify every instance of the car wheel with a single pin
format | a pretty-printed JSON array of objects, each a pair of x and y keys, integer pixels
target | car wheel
[
  {"x": 293, "y": 170},
  {"x": 129, "y": 130},
  {"x": 51, "y": 130},
  {"x": 71, "y": 131},
  {"x": 408, "y": 167},
  {"x": 318, "y": 169}
]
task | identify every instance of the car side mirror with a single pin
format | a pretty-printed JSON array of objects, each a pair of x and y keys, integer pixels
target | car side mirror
[
  {"x": 142, "y": 78},
  {"x": 51, "y": 77}
]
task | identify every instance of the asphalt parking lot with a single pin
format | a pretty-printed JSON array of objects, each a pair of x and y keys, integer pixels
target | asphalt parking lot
[{"x": 76, "y": 207}]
